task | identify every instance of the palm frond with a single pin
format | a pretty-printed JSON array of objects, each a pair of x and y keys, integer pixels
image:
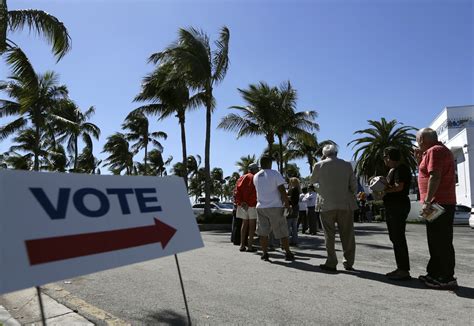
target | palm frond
[{"x": 45, "y": 25}]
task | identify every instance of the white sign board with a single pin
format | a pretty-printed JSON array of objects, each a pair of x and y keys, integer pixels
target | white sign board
[{"x": 55, "y": 226}]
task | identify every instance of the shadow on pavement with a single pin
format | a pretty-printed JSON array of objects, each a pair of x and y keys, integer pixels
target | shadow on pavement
[
  {"x": 296, "y": 265},
  {"x": 413, "y": 283},
  {"x": 375, "y": 246},
  {"x": 465, "y": 292},
  {"x": 166, "y": 317}
]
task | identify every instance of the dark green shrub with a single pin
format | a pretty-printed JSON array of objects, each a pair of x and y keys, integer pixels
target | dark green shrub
[{"x": 214, "y": 218}]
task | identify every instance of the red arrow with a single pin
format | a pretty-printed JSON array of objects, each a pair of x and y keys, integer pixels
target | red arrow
[{"x": 47, "y": 250}]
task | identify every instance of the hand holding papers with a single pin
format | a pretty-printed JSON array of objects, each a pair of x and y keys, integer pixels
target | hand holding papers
[{"x": 431, "y": 212}]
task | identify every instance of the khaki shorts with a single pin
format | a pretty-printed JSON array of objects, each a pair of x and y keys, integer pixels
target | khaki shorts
[
  {"x": 249, "y": 214},
  {"x": 272, "y": 219}
]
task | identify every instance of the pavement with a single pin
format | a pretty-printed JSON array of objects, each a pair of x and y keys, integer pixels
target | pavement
[
  {"x": 24, "y": 310},
  {"x": 225, "y": 286}
]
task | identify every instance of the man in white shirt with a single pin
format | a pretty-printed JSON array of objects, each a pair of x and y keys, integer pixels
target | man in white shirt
[
  {"x": 337, "y": 187},
  {"x": 271, "y": 201},
  {"x": 303, "y": 217},
  {"x": 310, "y": 200}
]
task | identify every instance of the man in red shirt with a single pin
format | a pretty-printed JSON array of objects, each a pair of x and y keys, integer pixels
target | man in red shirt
[
  {"x": 246, "y": 200},
  {"x": 436, "y": 181}
]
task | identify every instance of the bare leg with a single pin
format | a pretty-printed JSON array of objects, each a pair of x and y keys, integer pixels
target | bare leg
[
  {"x": 243, "y": 233},
  {"x": 285, "y": 245},
  {"x": 252, "y": 224}
]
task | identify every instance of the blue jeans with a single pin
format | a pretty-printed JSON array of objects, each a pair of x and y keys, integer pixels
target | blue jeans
[{"x": 293, "y": 229}]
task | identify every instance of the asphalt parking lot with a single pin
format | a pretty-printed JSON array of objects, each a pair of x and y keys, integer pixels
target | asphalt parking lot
[{"x": 225, "y": 286}]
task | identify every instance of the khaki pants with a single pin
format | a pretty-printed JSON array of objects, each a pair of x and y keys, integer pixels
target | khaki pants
[{"x": 345, "y": 225}]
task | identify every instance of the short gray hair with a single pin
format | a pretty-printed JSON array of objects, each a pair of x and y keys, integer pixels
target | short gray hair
[
  {"x": 330, "y": 150},
  {"x": 428, "y": 134}
]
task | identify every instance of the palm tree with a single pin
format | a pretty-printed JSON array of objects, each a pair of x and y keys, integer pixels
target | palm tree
[
  {"x": 120, "y": 157},
  {"x": 87, "y": 162},
  {"x": 202, "y": 69},
  {"x": 258, "y": 117},
  {"x": 37, "y": 98},
  {"x": 244, "y": 162},
  {"x": 16, "y": 161},
  {"x": 230, "y": 184},
  {"x": 274, "y": 153},
  {"x": 35, "y": 20},
  {"x": 217, "y": 175},
  {"x": 289, "y": 121},
  {"x": 382, "y": 134},
  {"x": 157, "y": 165},
  {"x": 307, "y": 146},
  {"x": 26, "y": 143},
  {"x": 57, "y": 159},
  {"x": 168, "y": 93},
  {"x": 74, "y": 125},
  {"x": 138, "y": 125},
  {"x": 292, "y": 170}
]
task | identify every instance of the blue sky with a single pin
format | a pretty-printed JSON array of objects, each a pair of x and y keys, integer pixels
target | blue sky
[{"x": 349, "y": 60}]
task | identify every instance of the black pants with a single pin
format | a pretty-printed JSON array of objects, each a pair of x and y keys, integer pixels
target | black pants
[
  {"x": 312, "y": 219},
  {"x": 236, "y": 226},
  {"x": 303, "y": 219},
  {"x": 396, "y": 216},
  {"x": 440, "y": 244}
]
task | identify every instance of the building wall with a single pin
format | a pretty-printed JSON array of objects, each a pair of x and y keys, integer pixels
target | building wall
[{"x": 455, "y": 128}]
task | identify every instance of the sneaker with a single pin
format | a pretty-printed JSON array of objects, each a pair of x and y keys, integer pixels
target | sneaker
[
  {"x": 265, "y": 256},
  {"x": 400, "y": 275},
  {"x": 327, "y": 268},
  {"x": 347, "y": 267},
  {"x": 289, "y": 256},
  {"x": 242, "y": 249}
]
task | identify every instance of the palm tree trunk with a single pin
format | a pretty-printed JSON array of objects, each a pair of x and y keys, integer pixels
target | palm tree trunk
[
  {"x": 310, "y": 162},
  {"x": 207, "y": 165},
  {"x": 183, "y": 148},
  {"x": 280, "y": 143},
  {"x": 146, "y": 159},
  {"x": 270, "y": 145},
  {"x": 37, "y": 145},
  {"x": 3, "y": 18},
  {"x": 76, "y": 154}
]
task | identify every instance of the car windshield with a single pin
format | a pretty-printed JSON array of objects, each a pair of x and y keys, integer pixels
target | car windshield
[{"x": 226, "y": 205}]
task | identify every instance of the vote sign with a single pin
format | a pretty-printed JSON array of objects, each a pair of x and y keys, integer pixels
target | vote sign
[{"x": 55, "y": 226}]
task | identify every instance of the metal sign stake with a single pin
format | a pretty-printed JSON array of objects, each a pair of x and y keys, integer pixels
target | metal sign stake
[
  {"x": 182, "y": 288},
  {"x": 40, "y": 300}
]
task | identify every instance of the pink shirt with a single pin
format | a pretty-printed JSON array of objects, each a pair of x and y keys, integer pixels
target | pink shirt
[{"x": 438, "y": 158}]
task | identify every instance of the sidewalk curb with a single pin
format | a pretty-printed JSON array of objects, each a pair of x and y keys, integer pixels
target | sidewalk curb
[
  {"x": 7, "y": 319},
  {"x": 21, "y": 307}
]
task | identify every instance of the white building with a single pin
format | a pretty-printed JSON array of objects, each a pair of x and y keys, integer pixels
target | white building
[{"x": 455, "y": 128}]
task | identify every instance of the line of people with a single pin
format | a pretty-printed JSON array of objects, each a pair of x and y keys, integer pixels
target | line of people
[{"x": 263, "y": 203}]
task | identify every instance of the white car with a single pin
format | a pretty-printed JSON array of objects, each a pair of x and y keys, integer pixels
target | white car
[
  {"x": 220, "y": 208},
  {"x": 462, "y": 214}
]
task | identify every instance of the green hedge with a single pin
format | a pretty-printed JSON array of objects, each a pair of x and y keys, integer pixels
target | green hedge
[{"x": 214, "y": 218}]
